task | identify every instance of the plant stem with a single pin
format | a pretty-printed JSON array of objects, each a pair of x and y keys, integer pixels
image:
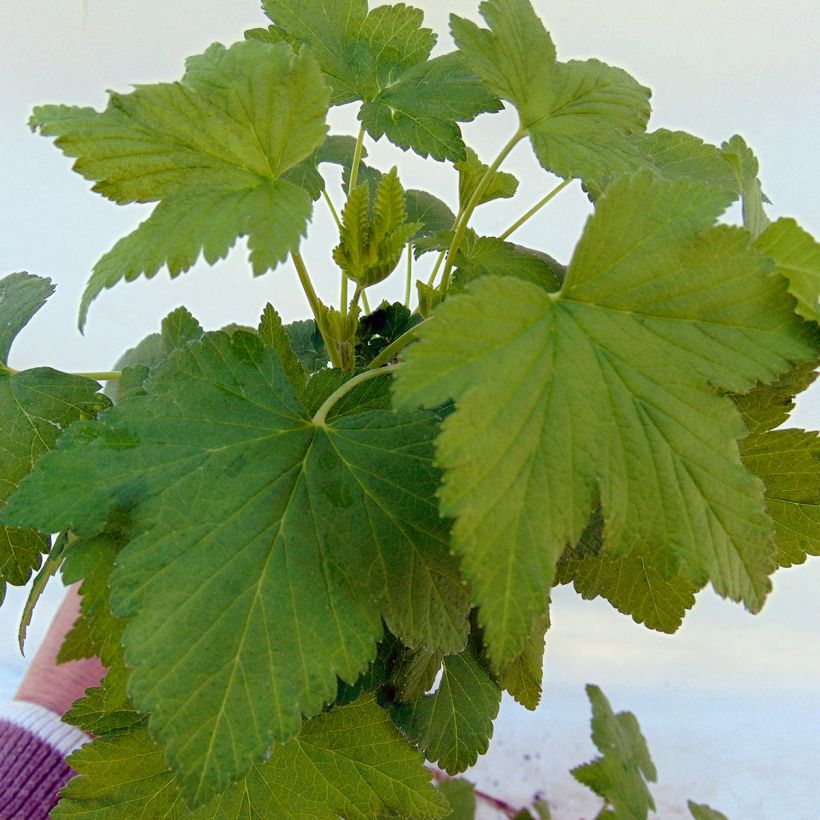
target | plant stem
[
  {"x": 321, "y": 413},
  {"x": 473, "y": 203},
  {"x": 437, "y": 266},
  {"x": 409, "y": 284},
  {"x": 101, "y": 376},
  {"x": 334, "y": 213},
  {"x": 535, "y": 208},
  {"x": 315, "y": 306},
  {"x": 365, "y": 302},
  {"x": 357, "y": 158},
  {"x": 394, "y": 347}
]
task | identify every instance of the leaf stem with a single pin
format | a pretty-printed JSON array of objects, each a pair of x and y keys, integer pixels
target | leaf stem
[
  {"x": 409, "y": 283},
  {"x": 321, "y": 413},
  {"x": 334, "y": 213},
  {"x": 315, "y": 306},
  {"x": 536, "y": 208},
  {"x": 354, "y": 178},
  {"x": 357, "y": 159},
  {"x": 395, "y": 346},
  {"x": 436, "y": 267},
  {"x": 365, "y": 302},
  {"x": 472, "y": 204}
]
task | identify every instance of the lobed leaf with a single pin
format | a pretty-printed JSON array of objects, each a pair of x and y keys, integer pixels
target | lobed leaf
[
  {"x": 579, "y": 115},
  {"x": 350, "y": 762},
  {"x": 658, "y": 309},
  {"x": 745, "y": 166},
  {"x": 238, "y": 503},
  {"x": 212, "y": 149}
]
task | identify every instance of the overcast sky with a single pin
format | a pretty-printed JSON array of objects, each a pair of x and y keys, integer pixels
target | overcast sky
[{"x": 717, "y": 67}]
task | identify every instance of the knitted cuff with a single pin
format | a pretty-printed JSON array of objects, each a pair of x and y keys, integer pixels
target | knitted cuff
[{"x": 33, "y": 745}]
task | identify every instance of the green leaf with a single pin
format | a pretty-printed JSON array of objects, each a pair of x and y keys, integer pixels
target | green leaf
[
  {"x": 471, "y": 171},
  {"x": 277, "y": 504},
  {"x": 105, "y": 708},
  {"x": 745, "y": 166},
  {"x": 306, "y": 342},
  {"x": 522, "y": 676},
  {"x": 428, "y": 211},
  {"x": 796, "y": 255},
  {"x": 274, "y": 334},
  {"x": 382, "y": 327},
  {"x": 359, "y": 52},
  {"x": 38, "y": 586},
  {"x": 211, "y": 149},
  {"x": 482, "y": 255},
  {"x": 621, "y": 775},
  {"x": 35, "y": 406},
  {"x": 374, "y": 234},
  {"x": 700, "y": 811},
  {"x": 414, "y": 673},
  {"x": 769, "y": 405},
  {"x": 21, "y": 296},
  {"x": 788, "y": 462},
  {"x": 579, "y": 115},
  {"x": 349, "y": 762},
  {"x": 453, "y": 726},
  {"x": 422, "y": 110},
  {"x": 678, "y": 154},
  {"x": 658, "y": 311},
  {"x": 460, "y": 795}
]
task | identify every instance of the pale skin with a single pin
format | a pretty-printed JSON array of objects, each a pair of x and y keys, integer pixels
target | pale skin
[{"x": 57, "y": 685}]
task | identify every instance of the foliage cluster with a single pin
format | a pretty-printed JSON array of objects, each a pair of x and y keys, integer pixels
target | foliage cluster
[{"x": 286, "y": 534}]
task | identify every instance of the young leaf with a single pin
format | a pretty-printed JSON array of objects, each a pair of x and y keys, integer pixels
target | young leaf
[
  {"x": 796, "y": 255},
  {"x": 470, "y": 172},
  {"x": 372, "y": 244},
  {"x": 349, "y": 762},
  {"x": 453, "y": 726},
  {"x": 745, "y": 166},
  {"x": 212, "y": 149},
  {"x": 658, "y": 309},
  {"x": 232, "y": 525},
  {"x": 700, "y": 811},
  {"x": 579, "y": 115},
  {"x": 621, "y": 775}
]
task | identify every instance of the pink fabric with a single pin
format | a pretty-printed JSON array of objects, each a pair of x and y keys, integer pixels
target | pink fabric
[{"x": 32, "y": 772}]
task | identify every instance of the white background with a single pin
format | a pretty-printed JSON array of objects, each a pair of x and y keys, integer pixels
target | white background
[{"x": 731, "y": 704}]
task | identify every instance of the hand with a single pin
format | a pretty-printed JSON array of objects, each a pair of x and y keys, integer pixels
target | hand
[{"x": 57, "y": 685}]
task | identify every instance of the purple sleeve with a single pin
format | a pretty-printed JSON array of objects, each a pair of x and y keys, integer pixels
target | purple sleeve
[{"x": 33, "y": 745}]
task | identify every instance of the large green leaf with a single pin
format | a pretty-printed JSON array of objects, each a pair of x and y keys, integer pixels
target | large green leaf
[
  {"x": 453, "y": 726},
  {"x": 349, "y": 762},
  {"x": 264, "y": 548},
  {"x": 212, "y": 149},
  {"x": 35, "y": 406},
  {"x": 608, "y": 392},
  {"x": 621, "y": 774},
  {"x": 579, "y": 115}
]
